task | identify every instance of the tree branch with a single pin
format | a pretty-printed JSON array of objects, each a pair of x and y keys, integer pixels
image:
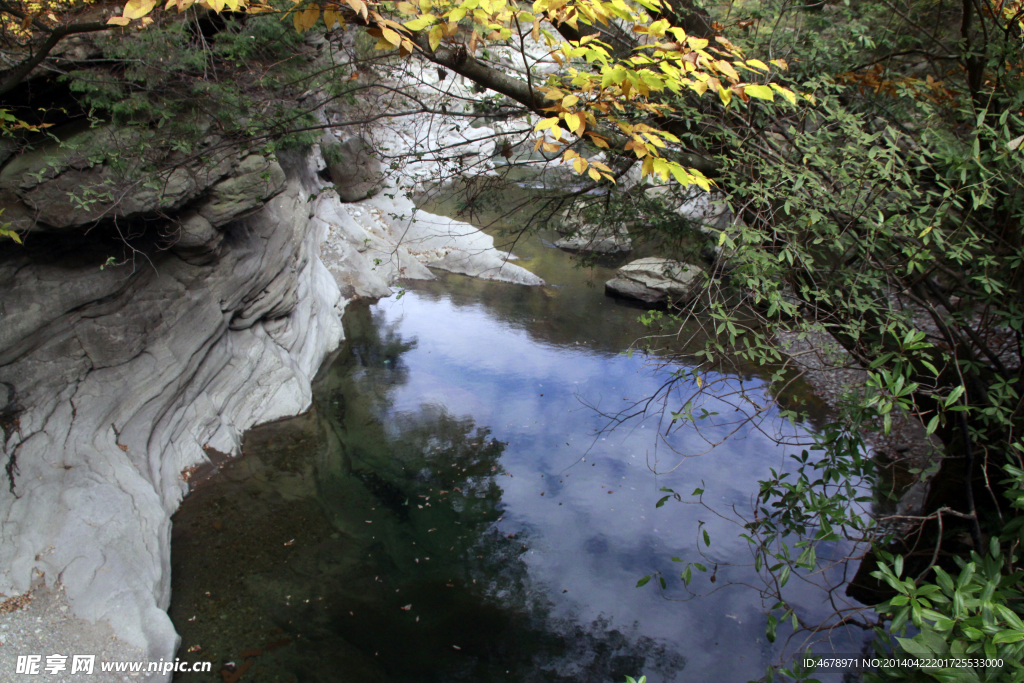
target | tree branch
[{"x": 18, "y": 73}]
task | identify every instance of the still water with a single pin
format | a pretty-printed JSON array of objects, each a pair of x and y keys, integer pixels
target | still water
[{"x": 455, "y": 508}]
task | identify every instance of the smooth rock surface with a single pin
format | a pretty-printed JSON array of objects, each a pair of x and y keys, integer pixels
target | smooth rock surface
[{"x": 657, "y": 280}]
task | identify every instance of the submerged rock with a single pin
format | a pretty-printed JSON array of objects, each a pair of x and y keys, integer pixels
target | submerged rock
[{"x": 656, "y": 280}]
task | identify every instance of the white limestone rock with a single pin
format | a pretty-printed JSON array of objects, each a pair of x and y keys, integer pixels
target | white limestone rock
[
  {"x": 657, "y": 280},
  {"x": 119, "y": 377}
]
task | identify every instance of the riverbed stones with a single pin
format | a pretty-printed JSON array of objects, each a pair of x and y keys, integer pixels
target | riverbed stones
[{"x": 654, "y": 280}]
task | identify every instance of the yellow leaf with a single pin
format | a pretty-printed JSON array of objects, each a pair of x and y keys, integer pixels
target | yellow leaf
[
  {"x": 726, "y": 95},
  {"x": 119, "y": 21},
  {"x": 600, "y": 166},
  {"x": 698, "y": 177},
  {"x": 547, "y": 123},
  {"x": 359, "y": 6},
  {"x": 681, "y": 176},
  {"x": 727, "y": 69},
  {"x": 391, "y": 36},
  {"x": 406, "y": 8},
  {"x": 599, "y": 141},
  {"x": 305, "y": 19},
  {"x": 788, "y": 94},
  {"x": 700, "y": 382},
  {"x": 762, "y": 92},
  {"x": 136, "y": 9},
  {"x": 332, "y": 17},
  {"x": 580, "y": 164},
  {"x": 647, "y": 167},
  {"x": 569, "y": 100},
  {"x": 419, "y": 23},
  {"x": 434, "y": 37},
  {"x": 594, "y": 174},
  {"x": 925, "y": 232},
  {"x": 551, "y": 147},
  {"x": 757, "y": 64},
  {"x": 572, "y": 121},
  {"x": 696, "y": 43}
]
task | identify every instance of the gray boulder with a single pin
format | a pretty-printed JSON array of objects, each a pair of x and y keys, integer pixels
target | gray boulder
[
  {"x": 94, "y": 174},
  {"x": 657, "y": 280},
  {"x": 597, "y": 239},
  {"x": 355, "y": 171}
]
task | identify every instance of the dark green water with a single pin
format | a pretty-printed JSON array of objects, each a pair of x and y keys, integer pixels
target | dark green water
[{"x": 451, "y": 509}]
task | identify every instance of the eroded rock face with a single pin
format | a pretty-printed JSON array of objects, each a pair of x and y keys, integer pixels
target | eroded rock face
[
  {"x": 115, "y": 379},
  {"x": 657, "y": 280}
]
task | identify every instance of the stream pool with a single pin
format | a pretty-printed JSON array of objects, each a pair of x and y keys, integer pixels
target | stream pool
[{"x": 454, "y": 508}]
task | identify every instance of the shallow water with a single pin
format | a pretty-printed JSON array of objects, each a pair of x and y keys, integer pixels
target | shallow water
[{"x": 455, "y": 508}]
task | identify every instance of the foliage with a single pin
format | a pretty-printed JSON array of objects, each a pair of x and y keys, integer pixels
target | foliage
[
  {"x": 888, "y": 218},
  {"x": 599, "y": 103}
]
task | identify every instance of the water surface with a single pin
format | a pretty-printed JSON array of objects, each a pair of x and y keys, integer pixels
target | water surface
[{"x": 455, "y": 508}]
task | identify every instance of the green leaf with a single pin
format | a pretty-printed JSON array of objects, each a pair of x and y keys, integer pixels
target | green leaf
[
  {"x": 643, "y": 582},
  {"x": 1008, "y": 636}
]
